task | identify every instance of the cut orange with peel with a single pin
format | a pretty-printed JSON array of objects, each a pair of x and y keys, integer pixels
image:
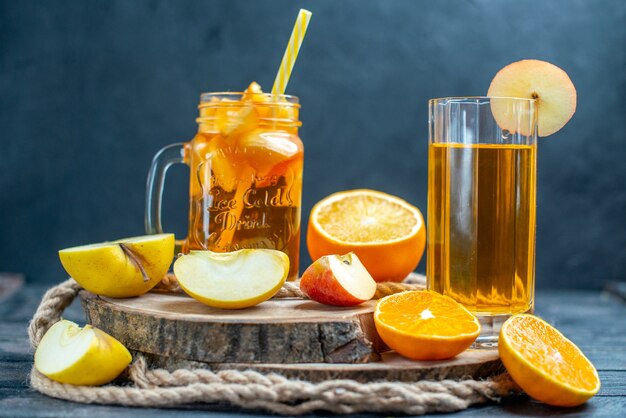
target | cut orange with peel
[
  {"x": 425, "y": 325},
  {"x": 544, "y": 363},
  {"x": 386, "y": 233}
]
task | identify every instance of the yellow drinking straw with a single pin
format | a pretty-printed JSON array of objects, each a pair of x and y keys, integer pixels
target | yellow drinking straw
[{"x": 291, "y": 53}]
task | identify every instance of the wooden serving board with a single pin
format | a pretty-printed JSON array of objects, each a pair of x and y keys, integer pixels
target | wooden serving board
[
  {"x": 275, "y": 331},
  {"x": 295, "y": 337}
]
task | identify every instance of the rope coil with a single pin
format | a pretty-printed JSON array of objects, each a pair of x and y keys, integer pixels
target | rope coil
[{"x": 253, "y": 390}]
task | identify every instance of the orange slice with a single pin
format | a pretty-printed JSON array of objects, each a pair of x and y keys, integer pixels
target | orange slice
[
  {"x": 386, "y": 233},
  {"x": 424, "y": 325},
  {"x": 264, "y": 149},
  {"x": 543, "y": 362},
  {"x": 254, "y": 93}
]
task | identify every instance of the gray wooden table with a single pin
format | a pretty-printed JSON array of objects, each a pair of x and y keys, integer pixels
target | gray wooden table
[{"x": 595, "y": 321}]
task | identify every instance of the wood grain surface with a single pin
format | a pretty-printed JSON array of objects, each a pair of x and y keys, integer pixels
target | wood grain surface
[
  {"x": 391, "y": 367},
  {"x": 276, "y": 331}
]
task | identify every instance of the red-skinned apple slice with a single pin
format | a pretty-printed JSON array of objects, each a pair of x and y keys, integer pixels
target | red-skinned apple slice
[
  {"x": 339, "y": 280},
  {"x": 533, "y": 79}
]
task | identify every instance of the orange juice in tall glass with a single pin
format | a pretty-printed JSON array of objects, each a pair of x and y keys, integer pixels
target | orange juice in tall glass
[{"x": 481, "y": 207}]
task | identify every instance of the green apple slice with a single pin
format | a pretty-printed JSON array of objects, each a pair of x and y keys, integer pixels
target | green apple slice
[
  {"x": 123, "y": 268},
  {"x": 70, "y": 354},
  {"x": 233, "y": 280}
]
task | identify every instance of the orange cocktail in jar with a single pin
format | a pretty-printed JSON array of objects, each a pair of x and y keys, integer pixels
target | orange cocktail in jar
[
  {"x": 246, "y": 184},
  {"x": 245, "y": 174}
]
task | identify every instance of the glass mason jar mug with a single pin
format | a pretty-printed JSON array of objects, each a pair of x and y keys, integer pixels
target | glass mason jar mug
[{"x": 245, "y": 183}]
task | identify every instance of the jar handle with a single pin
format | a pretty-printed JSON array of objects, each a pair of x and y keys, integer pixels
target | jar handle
[{"x": 164, "y": 159}]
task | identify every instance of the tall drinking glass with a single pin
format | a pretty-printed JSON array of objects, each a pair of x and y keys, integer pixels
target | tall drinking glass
[{"x": 482, "y": 162}]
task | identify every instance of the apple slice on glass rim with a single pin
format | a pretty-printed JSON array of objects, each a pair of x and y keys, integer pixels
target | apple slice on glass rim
[{"x": 546, "y": 83}]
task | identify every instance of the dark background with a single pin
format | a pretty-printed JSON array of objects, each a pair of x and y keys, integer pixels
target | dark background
[{"x": 90, "y": 90}]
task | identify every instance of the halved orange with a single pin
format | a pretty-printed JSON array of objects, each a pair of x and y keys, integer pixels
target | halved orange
[
  {"x": 425, "y": 325},
  {"x": 543, "y": 362},
  {"x": 386, "y": 233}
]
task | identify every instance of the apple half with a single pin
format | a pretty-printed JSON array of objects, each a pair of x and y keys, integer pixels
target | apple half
[
  {"x": 232, "y": 280},
  {"x": 339, "y": 280},
  {"x": 123, "y": 268},
  {"x": 70, "y": 354}
]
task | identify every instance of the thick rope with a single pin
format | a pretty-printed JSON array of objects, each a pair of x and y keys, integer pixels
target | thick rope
[
  {"x": 52, "y": 305},
  {"x": 254, "y": 390}
]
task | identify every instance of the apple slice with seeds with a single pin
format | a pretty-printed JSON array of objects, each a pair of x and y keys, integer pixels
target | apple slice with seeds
[
  {"x": 120, "y": 269},
  {"x": 533, "y": 79},
  {"x": 339, "y": 280}
]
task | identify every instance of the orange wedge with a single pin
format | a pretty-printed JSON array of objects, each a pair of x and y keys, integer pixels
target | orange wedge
[
  {"x": 386, "y": 233},
  {"x": 543, "y": 362},
  {"x": 424, "y": 325}
]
